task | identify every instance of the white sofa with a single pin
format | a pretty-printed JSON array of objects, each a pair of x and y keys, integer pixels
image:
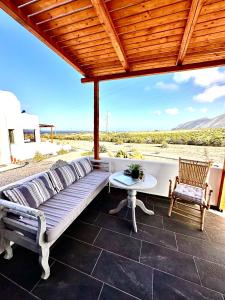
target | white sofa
[{"x": 37, "y": 229}]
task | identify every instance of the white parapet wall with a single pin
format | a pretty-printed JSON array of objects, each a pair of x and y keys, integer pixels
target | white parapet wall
[
  {"x": 164, "y": 171},
  {"x": 27, "y": 151}
]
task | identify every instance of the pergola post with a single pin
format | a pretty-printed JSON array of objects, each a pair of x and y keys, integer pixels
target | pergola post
[
  {"x": 51, "y": 134},
  {"x": 96, "y": 119}
]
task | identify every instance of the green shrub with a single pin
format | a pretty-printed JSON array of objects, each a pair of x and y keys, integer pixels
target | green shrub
[
  {"x": 38, "y": 156},
  {"x": 122, "y": 154},
  {"x": 102, "y": 149},
  {"x": 87, "y": 153},
  {"x": 164, "y": 144},
  {"x": 136, "y": 155},
  {"x": 62, "y": 151}
]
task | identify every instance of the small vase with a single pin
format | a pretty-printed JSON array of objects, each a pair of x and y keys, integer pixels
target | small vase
[{"x": 135, "y": 174}]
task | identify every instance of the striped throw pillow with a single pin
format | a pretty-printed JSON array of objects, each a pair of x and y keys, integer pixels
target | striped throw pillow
[
  {"x": 63, "y": 176},
  {"x": 32, "y": 193},
  {"x": 83, "y": 166}
]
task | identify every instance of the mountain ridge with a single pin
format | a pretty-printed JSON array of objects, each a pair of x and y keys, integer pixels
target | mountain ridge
[{"x": 216, "y": 122}]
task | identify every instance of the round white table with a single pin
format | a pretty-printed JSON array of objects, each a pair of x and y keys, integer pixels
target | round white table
[{"x": 131, "y": 201}]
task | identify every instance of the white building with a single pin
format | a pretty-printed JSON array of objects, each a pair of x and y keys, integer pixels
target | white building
[{"x": 19, "y": 132}]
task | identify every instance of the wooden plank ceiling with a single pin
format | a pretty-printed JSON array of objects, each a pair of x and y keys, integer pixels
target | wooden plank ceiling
[{"x": 118, "y": 38}]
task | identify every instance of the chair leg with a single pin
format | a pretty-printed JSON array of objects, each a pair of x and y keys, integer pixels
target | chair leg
[
  {"x": 171, "y": 206},
  {"x": 203, "y": 209}
]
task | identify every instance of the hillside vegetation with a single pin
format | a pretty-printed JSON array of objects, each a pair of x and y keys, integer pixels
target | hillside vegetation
[{"x": 201, "y": 137}]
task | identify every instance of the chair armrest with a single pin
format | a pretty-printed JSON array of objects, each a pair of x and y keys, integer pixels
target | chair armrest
[{"x": 209, "y": 194}]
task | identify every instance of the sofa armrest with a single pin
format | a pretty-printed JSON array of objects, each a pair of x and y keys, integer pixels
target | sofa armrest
[
  {"x": 101, "y": 165},
  {"x": 24, "y": 210},
  {"x": 7, "y": 208}
]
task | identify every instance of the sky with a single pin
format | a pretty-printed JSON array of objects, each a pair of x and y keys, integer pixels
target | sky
[{"x": 48, "y": 86}]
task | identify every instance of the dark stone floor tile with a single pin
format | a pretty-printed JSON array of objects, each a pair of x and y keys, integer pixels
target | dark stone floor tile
[
  {"x": 83, "y": 231},
  {"x": 159, "y": 201},
  {"x": 214, "y": 220},
  {"x": 143, "y": 218},
  {"x": 200, "y": 248},
  {"x": 170, "y": 261},
  {"x": 125, "y": 274},
  {"x": 118, "y": 243},
  {"x": 76, "y": 254},
  {"x": 109, "y": 293},
  {"x": 66, "y": 283},
  {"x": 23, "y": 268},
  {"x": 184, "y": 228},
  {"x": 89, "y": 215},
  {"x": 168, "y": 287},
  {"x": 112, "y": 203},
  {"x": 11, "y": 291},
  {"x": 156, "y": 236},
  {"x": 212, "y": 275},
  {"x": 163, "y": 211},
  {"x": 216, "y": 234},
  {"x": 114, "y": 223}
]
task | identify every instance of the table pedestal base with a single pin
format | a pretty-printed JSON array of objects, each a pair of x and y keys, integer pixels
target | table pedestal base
[{"x": 131, "y": 201}]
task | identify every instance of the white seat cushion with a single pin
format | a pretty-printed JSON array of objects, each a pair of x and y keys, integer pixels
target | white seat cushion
[
  {"x": 63, "y": 208},
  {"x": 189, "y": 193}
]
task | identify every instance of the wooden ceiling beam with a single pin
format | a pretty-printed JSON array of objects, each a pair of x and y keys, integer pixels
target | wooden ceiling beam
[
  {"x": 177, "y": 68},
  {"x": 107, "y": 23},
  {"x": 17, "y": 14},
  {"x": 194, "y": 12}
]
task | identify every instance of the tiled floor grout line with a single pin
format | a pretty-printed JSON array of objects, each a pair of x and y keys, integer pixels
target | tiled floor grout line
[
  {"x": 96, "y": 262},
  {"x": 148, "y": 266},
  {"x": 175, "y": 236},
  {"x": 197, "y": 271},
  {"x": 140, "y": 253},
  {"x": 101, "y": 290},
  {"x": 97, "y": 235},
  {"x": 191, "y": 282},
  {"x": 18, "y": 285},
  {"x": 148, "y": 242},
  {"x": 41, "y": 278},
  {"x": 95, "y": 220},
  {"x": 91, "y": 276},
  {"x": 152, "y": 284}
]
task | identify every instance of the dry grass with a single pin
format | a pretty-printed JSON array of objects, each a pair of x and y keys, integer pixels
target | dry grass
[{"x": 150, "y": 151}]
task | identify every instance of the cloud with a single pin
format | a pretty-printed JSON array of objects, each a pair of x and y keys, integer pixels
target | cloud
[
  {"x": 204, "y": 110},
  {"x": 166, "y": 86},
  {"x": 210, "y": 94},
  {"x": 203, "y": 77},
  {"x": 172, "y": 111},
  {"x": 191, "y": 109},
  {"x": 157, "y": 112}
]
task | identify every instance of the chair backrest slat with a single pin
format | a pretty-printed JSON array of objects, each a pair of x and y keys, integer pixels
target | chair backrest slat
[{"x": 193, "y": 172}]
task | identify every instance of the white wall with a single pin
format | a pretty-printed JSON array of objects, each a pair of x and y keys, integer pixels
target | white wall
[
  {"x": 164, "y": 171},
  {"x": 4, "y": 141},
  {"x": 12, "y": 118}
]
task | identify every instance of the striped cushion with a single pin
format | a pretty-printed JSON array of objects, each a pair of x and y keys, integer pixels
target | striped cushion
[
  {"x": 63, "y": 176},
  {"x": 83, "y": 166},
  {"x": 32, "y": 193}
]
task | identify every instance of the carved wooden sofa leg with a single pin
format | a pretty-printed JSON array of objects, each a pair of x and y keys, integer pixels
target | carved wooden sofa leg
[
  {"x": 4, "y": 242},
  {"x": 43, "y": 260},
  {"x": 6, "y": 247}
]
